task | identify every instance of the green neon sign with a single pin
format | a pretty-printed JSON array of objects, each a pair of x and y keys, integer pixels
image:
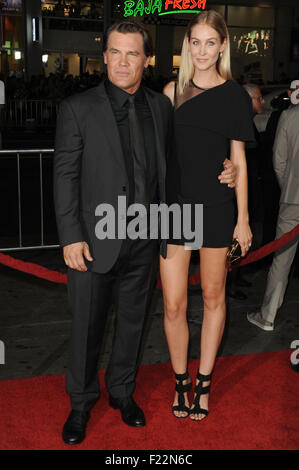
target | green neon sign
[{"x": 162, "y": 7}]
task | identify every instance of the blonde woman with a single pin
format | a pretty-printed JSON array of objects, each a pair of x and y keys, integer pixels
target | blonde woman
[{"x": 212, "y": 120}]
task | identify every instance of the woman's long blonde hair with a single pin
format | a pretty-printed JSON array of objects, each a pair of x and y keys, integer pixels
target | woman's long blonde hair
[{"x": 216, "y": 21}]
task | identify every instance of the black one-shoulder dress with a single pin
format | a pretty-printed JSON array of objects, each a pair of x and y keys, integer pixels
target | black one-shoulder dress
[{"x": 204, "y": 124}]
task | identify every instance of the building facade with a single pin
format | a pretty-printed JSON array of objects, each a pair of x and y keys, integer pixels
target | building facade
[{"x": 51, "y": 36}]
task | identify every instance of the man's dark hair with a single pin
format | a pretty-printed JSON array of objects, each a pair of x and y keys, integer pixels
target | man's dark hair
[{"x": 130, "y": 27}]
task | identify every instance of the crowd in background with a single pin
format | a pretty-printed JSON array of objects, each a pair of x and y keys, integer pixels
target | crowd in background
[
  {"x": 59, "y": 85},
  {"x": 54, "y": 87}
]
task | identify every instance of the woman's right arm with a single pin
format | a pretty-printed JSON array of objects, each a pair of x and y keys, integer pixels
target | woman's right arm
[{"x": 168, "y": 90}]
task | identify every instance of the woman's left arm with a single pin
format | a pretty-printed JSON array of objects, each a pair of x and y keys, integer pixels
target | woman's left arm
[{"x": 242, "y": 230}]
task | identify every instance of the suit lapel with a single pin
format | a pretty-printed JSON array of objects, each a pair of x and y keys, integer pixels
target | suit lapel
[{"x": 107, "y": 124}]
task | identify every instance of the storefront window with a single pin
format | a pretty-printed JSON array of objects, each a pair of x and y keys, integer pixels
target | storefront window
[
  {"x": 11, "y": 7},
  {"x": 73, "y": 9},
  {"x": 12, "y": 63},
  {"x": 12, "y": 31},
  {"x": 12, "y": 45},
  {"x": 57, "y": 62},
  {"x": 93, "y": 65},
  {"x": 251, "y": 31}
]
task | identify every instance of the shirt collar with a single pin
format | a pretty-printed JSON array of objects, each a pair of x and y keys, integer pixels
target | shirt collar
[{"x": 119, "y": 96}]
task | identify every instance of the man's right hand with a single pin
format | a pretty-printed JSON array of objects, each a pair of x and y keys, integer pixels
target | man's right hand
[{"x": 73, "y": 255}]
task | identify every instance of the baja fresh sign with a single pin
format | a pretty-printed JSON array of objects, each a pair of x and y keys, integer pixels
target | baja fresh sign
[{"x": 162, "y": 7}]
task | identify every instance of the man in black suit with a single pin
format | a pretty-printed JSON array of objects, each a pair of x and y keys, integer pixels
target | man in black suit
[{"x": 111, "y": 141}]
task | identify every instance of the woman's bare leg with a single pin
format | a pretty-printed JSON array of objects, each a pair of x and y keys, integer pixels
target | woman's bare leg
[
  {"x": 213, "y": 273},
  {"x": 174, "y": 277}
]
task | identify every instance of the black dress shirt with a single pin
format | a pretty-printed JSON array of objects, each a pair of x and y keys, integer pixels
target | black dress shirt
[{"x": 120, "y": 106}]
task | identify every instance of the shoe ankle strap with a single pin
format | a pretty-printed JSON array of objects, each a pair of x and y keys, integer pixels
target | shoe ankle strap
[
  {"x": 203, "y": 377},
  {"x": 182, "y": 377}
]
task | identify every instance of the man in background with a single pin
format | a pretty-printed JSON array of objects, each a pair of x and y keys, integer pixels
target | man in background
[{"x": 286, "y": 166}]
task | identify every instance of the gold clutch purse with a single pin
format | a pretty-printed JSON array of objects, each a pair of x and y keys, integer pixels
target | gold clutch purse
[{"x": 234, "y": 253}]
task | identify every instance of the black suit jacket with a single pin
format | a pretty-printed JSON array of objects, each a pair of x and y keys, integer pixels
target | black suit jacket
[{"x": 89, "y": 167}]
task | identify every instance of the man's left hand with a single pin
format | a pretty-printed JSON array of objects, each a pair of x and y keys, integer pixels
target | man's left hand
[{"x": 228, "y": 176}]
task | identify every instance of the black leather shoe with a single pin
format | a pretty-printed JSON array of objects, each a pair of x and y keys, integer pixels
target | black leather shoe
[
  {"x": 130, "y": 412},
  {"x": 74, "y": 429},
  {"x": 295, "y": 367},
  {"x": 236, "y": 294}
]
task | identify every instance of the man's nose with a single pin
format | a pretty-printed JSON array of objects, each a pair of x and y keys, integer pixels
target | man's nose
[{"x": 123, "y": 59}]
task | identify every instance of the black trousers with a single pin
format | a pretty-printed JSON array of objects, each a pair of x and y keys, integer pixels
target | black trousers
[{"x": 129, "y": 285}]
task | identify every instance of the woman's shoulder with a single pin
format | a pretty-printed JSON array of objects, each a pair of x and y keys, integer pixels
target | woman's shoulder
[
  {"x": 237, "y": 89},
  {"x": 169, "y": 90},
  {"x": 238, "y": 96}
]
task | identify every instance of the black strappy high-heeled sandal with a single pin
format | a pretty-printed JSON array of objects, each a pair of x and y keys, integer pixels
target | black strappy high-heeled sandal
[
  {"x": 181, "y": 389},
  {"x": 200, "y": 390}
]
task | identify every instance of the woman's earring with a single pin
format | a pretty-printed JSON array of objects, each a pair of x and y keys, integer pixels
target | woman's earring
[{"x": 220, "y": 55}]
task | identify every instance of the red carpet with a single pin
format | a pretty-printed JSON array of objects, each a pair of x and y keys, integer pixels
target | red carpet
[{"x": 254, "y": 404}]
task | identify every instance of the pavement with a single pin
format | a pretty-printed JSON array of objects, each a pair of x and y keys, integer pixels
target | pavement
[{"x": 35, "y": 320}]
